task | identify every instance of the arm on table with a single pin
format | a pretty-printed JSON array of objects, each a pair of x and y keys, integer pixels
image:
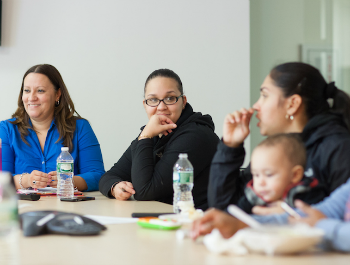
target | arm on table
[
  {"x": 121, "y": 171},
  {"x": 8, "y": 154},
  {"x": 226, "y": 181},
  {"x": 216, "y": 219}
]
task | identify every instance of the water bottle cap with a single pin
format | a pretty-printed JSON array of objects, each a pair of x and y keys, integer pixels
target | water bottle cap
[
  {"x": 64, "y": 149},
  {"x": 183, "y": 156},
  {"x": 4, "y": 177}
]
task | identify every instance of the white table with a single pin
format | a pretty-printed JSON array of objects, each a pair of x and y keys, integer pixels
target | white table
[{"x": 131, "y": 244}]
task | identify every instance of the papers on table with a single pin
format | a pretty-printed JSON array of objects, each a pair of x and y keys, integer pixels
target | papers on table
[
  {"x": 49, "y": 190},
  {"x": 108, "y": 220}
]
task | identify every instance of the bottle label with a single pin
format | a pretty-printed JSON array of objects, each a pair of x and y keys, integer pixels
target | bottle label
[
  {"x": 8, "y": 212},
  {"x": 65, "y": 167},
  {"x": 183, "y": 177}
]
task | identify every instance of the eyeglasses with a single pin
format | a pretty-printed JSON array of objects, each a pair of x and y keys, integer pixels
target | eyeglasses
[{"x": 154, "y": 102}]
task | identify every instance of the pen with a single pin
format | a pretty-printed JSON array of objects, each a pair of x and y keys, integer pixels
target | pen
[{"x": 290, "y": 210}]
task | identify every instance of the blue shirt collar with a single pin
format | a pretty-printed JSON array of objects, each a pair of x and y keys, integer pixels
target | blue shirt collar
[{"x": 53, "y": 123}]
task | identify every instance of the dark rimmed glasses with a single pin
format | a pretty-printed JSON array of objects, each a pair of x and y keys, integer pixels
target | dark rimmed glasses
[{"x": 154, "y": 102}]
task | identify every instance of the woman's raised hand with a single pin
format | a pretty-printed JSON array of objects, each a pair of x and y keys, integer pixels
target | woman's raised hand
[
  {"x": 236, "y": 127},
  {"x": 158, "y": 124}
]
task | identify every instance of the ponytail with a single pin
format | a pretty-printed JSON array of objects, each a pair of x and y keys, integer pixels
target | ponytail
[
  {"x": 341, "y": 105},
  {"x": 305, "y": 80}
]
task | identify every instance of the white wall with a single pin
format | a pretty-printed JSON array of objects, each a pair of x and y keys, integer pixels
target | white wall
[
  {"x": 280, "y": 27},
  {"x": 105, "y": 49},
  {"x": 277, "y": 30}
]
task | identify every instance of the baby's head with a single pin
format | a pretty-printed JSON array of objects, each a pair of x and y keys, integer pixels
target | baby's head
[{"x": 276, "y": 163}]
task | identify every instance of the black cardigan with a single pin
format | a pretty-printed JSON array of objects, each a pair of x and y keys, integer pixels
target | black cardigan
[
  {"x": 327, "y": 144},
  {"x": 148, "y": 163}
]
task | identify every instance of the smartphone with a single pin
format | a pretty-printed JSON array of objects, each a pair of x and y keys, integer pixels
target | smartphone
[
  {"x": 29, "y": 197},
  {"x": 138, "y": 215},
  {"x": 77, "y": 199},
  {"x": 290, "y": 210}
]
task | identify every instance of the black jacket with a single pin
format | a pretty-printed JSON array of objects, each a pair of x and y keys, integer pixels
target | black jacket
[
  {"x": 327, "y": 143},
  {"x": 308, "y": 190},
  {"x": 148, "y": 163}
]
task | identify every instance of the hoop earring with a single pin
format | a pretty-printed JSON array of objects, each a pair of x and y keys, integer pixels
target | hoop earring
[{"x": 57, "y": 102}]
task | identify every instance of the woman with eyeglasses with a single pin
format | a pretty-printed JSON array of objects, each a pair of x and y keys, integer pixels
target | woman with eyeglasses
[{"x": 145, "y": 169}]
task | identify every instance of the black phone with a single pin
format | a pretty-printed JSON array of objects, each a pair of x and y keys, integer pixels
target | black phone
[
  {"x": 138, "y": 215},
  {"x": 77, "y": 199},
  {"x": 29, "y": 197}
]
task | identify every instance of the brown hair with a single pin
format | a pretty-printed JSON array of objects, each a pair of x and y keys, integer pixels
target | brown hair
[
  {"x": 63, "y": 113},
  {"x": 292, "y": 146}
]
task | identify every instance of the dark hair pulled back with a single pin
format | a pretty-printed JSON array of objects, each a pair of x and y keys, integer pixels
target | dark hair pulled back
[
  {"x": 165, "y": 73},
  {"x": 305, "y": 80}
]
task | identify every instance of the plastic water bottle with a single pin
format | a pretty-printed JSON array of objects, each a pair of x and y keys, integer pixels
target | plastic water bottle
[
  {"x": 65, "y": 172},
  {"x": 8, "y": 204},
  {"x": 9, "y": 228},
  {"x": 182, "y": 182}
]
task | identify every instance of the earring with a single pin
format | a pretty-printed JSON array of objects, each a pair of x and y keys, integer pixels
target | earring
[
  {"x": 291, "y": 117},
  {"x": 57, "y": 102}
]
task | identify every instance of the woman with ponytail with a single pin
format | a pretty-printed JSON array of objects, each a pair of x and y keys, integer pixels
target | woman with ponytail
[{"x": 294, "y": 98}]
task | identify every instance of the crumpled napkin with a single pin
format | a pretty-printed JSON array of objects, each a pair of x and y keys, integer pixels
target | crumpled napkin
[
  {"x": 219, "y": 245},
  {"x": 270, "y": 240}
]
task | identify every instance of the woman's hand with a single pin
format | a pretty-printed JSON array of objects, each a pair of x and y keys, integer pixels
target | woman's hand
[
  {"x": 37, "y": 179},
  {"x": 123, "y": 190},
  {"x": 272, "y": 208},
  {"x": 236, "y": 127},
  {"x": 213, "y": 218},
  {"x": 158, "y": 124},
  {"x": 53, "y": 175},
  {"x": 313, "y": 215}
]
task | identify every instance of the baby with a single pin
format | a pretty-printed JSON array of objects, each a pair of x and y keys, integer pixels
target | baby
[{"x": 277, "y": 166}]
